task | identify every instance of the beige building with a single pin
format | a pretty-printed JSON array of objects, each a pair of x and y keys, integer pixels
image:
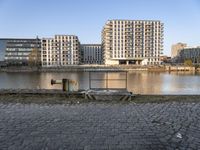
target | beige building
[
  {"x": 62, "y": 50},
  {"x": 176, "y": 48},
  {"x": 91, "y": 54},
  {"x": 132, "y": 42}
]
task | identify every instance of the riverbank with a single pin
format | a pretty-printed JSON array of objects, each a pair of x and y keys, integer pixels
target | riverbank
[
  {"x": 60, "y": 97},
  {"x": 86, "y": 68}
]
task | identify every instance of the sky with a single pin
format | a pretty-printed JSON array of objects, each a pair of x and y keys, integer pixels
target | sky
[{"x": 86, "y": 18}]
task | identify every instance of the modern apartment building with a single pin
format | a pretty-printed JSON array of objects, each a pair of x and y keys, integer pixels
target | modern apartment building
[
  {"x": 132, "y": 42},
  {"x": 192, "y": 53},
  {"x": 17, "y": 51},
  {"x": 62, "y": 50},
  {"x": 176, "y": 48},
  {"x": 91, "y": 54}
]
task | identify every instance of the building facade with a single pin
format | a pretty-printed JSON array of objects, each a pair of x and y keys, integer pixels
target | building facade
[
  {"x": 192, "y": 54},
  {"x": 17, "y": 51},
  {"x": 2, "y": 49},
  {"x": 91, "y": 54},
  {"x": 62, "y": 50},
  {"x": 176, "y": 48},
  {"x": 132, "y": 42},
  {"x": 165, "y": 59}
]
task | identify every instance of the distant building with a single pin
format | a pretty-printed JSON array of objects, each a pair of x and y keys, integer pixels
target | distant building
[
  {"x": 192, "y": 53},
  {"x": 2, "y": 49},
  {"x": 176, "y": 48},
  {"x": 62, "y": 50},
  {"x": 132, "y": 42},
  {"x": 17, "y": 51},
  {"x": 165, "y": 59},
  {"x": 91, "y": 54}
]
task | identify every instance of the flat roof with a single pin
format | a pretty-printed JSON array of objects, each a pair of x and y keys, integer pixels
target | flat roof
[
  {"x": 91, "y": 44},
  {"x": 19, "y": 39},
  {"x": 131, "y": 20},
  {"x": 65, "y": 35}
]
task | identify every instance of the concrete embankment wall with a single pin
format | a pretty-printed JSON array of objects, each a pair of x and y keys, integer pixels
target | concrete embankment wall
[
  {"x": 179, "y": 68},
  {"x": 73, "y": 68},
  {"x": 98, "y": 68},
  {"x": 95, "y": 68}
]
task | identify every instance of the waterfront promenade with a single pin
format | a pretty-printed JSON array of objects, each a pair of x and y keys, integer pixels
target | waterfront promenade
[
  {"x": 74, "y": 124},
  {"x": 100, "y": 126}
]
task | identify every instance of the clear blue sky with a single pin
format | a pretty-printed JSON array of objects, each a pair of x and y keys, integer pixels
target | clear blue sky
[{"x": 85, "y": 18}]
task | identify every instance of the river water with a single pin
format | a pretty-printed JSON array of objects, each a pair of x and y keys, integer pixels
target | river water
[{"x": 137, "y": 82}]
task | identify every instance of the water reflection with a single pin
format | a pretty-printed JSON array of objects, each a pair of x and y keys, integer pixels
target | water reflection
[
  {"x": 108, "y": 80},
  {"x": 145, "y": 82},
  {"x": 45, "y": 78},
  {"x": 181, "y": 83},
  {"x": 138, "y": 82}
]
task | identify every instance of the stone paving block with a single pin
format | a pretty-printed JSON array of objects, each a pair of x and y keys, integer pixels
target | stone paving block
[{"x": 100, "y": 126}]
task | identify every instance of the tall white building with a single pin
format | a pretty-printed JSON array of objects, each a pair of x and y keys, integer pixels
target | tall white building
[
  {"x": 62, "y": 50},
  {"x": 132, "y": 42},
  {"x": 91, "y": 54}
]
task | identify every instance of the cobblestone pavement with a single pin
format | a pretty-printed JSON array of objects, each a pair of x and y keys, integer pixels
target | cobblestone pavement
[{"x": 100, "y": 126}]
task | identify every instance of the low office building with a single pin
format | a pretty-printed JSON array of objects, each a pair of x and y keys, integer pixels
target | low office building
[
  {"x": 91, "y": 54},
  {"x": 192, "y": 54},
  {"x": 17, "y": 51},
  {"x": 165, "y": 59},
  {"x": 2, "y": 51},
  {"x": 62, "y": 50},
  {"x": 132, "y": 42}
]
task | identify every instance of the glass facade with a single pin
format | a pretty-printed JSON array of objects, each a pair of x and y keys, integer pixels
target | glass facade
[
  {"x": 2, "y": 49},
  {"x": 18, "y": 50}
]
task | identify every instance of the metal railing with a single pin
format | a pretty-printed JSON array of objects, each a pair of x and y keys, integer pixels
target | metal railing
[{"x": 108, "y": 80}]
